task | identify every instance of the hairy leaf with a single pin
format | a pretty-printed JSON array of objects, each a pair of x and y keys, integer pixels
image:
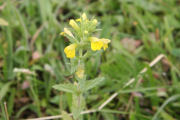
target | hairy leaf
[
  {"x": 66, "y": 88},
  {"x": 93, "y": 83}
]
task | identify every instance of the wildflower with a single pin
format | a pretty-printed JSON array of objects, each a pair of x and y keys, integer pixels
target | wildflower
[
  {"x": 68, "y": 32},
  {"x": 105, "y": 43},
  {"x": 74, "y": 24},
  {"x": 70, "y": 51},
  {"x": 80, "y": 72},
  {"x": 96, "y": 44}
]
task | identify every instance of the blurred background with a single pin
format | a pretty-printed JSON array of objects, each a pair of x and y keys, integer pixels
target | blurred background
[{"x": 32, "y": 59}]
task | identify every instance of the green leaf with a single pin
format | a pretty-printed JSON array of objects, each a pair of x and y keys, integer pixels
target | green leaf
[
  {"x": 66, "y": 116},
  {"x": 4, "y": 90},
  {"x": 3, "y": 22},
  {"x": 169, "y": 100},
  {"x": 132, "y": 116},
  {"x": 166, "y": 116},
  {"x": 66, "y": 88},
  {"x": 78, "y": 104},
  {"x": 93, "y": 83}
]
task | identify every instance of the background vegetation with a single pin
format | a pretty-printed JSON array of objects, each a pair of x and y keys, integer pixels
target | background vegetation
[{"x": 140, "y": 30}]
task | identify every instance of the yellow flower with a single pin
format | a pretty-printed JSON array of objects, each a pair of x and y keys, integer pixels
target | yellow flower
[
  {"x": 68, "y": 32},
  {"x": 96, "y": 44},
  {"x": 105, "y": 43},
  {"x": 80, "y": 72},
  {"x": 78, "y": 20},
  {"x": 74, "y": 24},
  {"x": 70, "y": 51}
]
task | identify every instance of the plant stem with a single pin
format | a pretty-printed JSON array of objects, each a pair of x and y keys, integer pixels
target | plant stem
[{"x": 6, "y": 111}]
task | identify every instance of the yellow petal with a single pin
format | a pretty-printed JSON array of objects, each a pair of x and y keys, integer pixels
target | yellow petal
[
  {"x": 105, "y": 43},
  {"x": 78, "y": 20},
  {"x": 96, "y": 44},
  {"x": 74, "y": 24},
  {"x": 62, "y": 33},
  {"x": 105, "y": 46},
  {"x": 70, "y": 51}
]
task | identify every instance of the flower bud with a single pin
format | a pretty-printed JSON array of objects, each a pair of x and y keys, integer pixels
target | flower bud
[
  {"x": 84, "y": 17},
  {"x": 80, "y": 72},
  {"x": 74, "y": 25},
  {"x": 94, "y": 22}
]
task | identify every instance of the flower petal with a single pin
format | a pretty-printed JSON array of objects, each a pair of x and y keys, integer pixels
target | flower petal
[
  {"x": 70, "y": 51},
  {"x": 96, "y": 44}
]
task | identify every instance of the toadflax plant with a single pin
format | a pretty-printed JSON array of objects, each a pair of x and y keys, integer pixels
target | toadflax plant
[{"x": 82, "y": 46}]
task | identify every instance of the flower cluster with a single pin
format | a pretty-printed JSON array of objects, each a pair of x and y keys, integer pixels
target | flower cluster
[
  {"x": 81, "y": 36},
  {"x": 83, "y": 45}
]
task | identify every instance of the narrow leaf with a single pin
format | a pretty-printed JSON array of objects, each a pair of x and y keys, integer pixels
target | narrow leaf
[
  {"x": 66, "y": 88},
  {"x": 4, "y": 90},
  {"x": 93, "y": 83},
  {"x": 171, "y": 99},
  {"x": 166, "y": 116}
]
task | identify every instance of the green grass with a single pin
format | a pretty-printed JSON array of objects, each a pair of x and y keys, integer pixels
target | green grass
[{"x": 153, "y": 23}]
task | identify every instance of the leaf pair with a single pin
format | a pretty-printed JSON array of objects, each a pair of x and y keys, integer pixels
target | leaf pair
[{"x": 70, "y": 88}]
